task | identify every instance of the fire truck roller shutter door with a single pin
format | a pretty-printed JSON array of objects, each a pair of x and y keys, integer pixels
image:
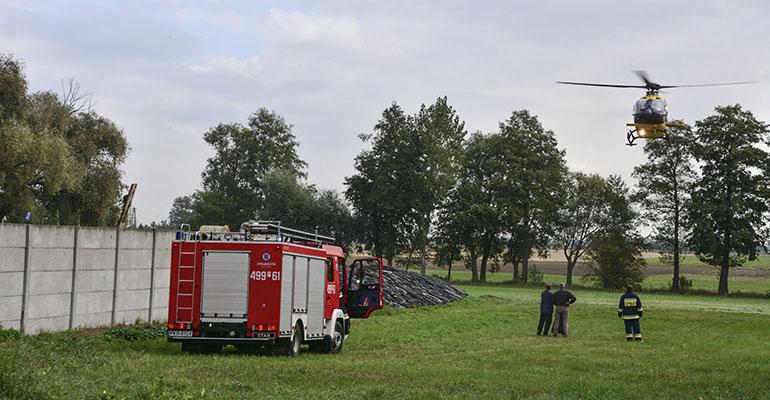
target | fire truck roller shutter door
[
  {"x": 225, "y": 291},
  {"x": 300, "y": 284},
  {"x": 287, "y": 286},
  {"x": 315, "y": 295}
]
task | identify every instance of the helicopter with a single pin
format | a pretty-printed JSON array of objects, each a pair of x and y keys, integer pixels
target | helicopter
[{"x": 650, "y": 111}]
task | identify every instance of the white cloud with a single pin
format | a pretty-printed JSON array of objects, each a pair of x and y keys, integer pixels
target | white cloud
[
  {"x": 166, "y": 72},
  {"x": 248, "y": 67},
  {"x": 297, "y": 27}
]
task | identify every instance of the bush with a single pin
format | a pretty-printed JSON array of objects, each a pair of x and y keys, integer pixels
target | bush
[
  {"x": 136, "y": 332},
  {"x": 616, "y": 260},
  {"x": 534, "y": 276},
  {"x": 685, "y": 285}
]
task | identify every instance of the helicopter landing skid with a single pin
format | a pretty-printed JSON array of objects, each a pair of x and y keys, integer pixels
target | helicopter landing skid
[{"x": 631, "y": 137}]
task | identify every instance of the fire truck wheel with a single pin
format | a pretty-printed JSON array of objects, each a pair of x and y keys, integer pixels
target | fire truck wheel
[
  {"x": 334, "y": 342},
  {"x": 291, "y": 346}
]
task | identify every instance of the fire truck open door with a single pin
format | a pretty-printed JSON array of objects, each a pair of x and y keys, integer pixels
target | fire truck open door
[{"x": 364, "y": 287}]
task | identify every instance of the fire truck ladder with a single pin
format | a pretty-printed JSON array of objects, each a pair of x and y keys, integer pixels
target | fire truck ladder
[
  {"x": 283, "y": 234},
  {"x": 185, "y": 285}
]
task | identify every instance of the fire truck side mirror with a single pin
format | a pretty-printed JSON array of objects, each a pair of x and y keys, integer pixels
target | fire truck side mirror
[{"x": 364, "y": 289}]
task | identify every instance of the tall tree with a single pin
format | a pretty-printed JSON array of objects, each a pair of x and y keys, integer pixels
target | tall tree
[
  {"x": 243, "y": 155},
  {"x": 730, "y": 200},
  {"x": 13, "y": 97},
  {"x": 586, "y": 211},
  {"x": 616, "y": 259},
  {"x": 473, "y": 215},
  {"x": 100, "y": 148},
  {"x": 381, "y": 191},
  {"x": 36, "y": 162},
  {"x": 439, "y": 137},
  {"x": 615, "y": 250},
  {"x": 664, "y": 183},
  {"x": 182, "y": 211},
  {"x": 535, "y": 176}
]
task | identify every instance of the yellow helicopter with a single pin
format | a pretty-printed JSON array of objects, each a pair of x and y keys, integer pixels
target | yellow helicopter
[{"x": 650, "y": 111}]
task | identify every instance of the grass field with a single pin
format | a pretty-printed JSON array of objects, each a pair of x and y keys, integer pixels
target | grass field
[
  {"x": 480, "y": 347},
  {"x": 690, "y": 260},
  {"x": 710, "y": 283}
]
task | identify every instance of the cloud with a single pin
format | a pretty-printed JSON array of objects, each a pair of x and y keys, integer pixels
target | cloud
[
  {"x": 168, "y": 71},
  {"x": 249, "y": 67},
  {"x": 298, "y": 27}
]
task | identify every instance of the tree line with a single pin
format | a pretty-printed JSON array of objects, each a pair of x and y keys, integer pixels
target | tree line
[
  {"x": 425, "y": 189},
  {"x": 59, "y": 159}
]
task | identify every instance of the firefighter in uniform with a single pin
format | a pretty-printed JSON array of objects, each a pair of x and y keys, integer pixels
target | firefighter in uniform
[{"x": 630, "y": 309}]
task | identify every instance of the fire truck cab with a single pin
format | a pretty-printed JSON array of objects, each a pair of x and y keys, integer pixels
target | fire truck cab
[{"x": 266, "y": 285}]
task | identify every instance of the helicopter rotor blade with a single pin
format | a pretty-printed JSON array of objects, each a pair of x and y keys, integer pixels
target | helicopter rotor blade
[
  {"x": 709, "y": 84},
  {"x": 645, "y": 78},
  {"x": 602, "y": 85}
]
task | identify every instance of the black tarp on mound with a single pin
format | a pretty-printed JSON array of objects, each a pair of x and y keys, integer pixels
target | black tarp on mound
[{"x": 410, "y": 289}]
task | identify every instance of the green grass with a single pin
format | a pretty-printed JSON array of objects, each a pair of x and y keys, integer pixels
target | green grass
[
  {"x": 736, "y": 284},
  {"x": 480, "y": 347},
  {"x": 702, "y": 283},
  {"x": 690, "y": 260}
]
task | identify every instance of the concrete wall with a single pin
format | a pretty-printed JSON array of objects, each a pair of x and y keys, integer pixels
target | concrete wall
[{"x": 59, "y": 277}]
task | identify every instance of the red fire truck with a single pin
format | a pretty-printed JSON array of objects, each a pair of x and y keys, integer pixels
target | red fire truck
[{"x": 266, "y": 285}]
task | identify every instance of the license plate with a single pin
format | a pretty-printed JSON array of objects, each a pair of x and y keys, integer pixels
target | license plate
[
  {"x": 263, "y": 335},
  {"x": 180, "y": 333}
]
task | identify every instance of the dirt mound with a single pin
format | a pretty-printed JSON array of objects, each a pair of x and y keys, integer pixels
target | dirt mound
[{"x": 410, "y": 289}]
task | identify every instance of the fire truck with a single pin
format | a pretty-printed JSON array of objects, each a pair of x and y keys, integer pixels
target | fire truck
[{"x": 266, "y": 286}]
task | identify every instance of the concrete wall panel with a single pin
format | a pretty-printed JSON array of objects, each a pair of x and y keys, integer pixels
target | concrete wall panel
[
  {"x": 38, "y": 325},
  {"x": 136, "y": 240},
  {"x": 133, "y": 300},
  {"x": 94, "y": 303},
  {"x": 94, "y": 281},
  {"x": 96, "y": 238},
  {"x": 133, "y": 279},
  {"x": 96, "y": 259},
  {"x": 160, "y": 299},
  {"x": 160, "y": 314},
  {"x": 130, "y": 316},
  {"x": 51, "y": 256},
  {"x": 162, "y": 278},
  {"x": 92, "y": 319},
  {"x": 11, "y": 259},
  {"x": 51, "y": 259},
  {"x": 13, "y": 235},
  {"x": 10, "y": 309},
  {"x": 48, "y": 305},
  {"x": 50, "y": 282},
  {"x": 51, "y": 237},
  {"x": 136, "y": 258},
  {"x": 11, "y": 284}
]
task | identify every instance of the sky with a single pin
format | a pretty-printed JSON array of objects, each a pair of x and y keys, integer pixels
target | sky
[{"x": 168, "y": 71}]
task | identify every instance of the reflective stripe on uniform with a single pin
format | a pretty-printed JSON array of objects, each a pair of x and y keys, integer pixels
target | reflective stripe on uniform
[
  {"x": 620, "y": 310},
  {"x": 640, "y": 309},
  {"x": 630, "y": 317},
  {"x": 637, "y": 335},
  {"x": 629, "y": 335},
  {"x": 628, "y": 302}
]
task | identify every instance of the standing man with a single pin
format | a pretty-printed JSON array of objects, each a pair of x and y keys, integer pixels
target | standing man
[
  {"x": 562, "y": 300},
  {"x": 546, "y": 311},
  {"x": 630, "y": 309}
]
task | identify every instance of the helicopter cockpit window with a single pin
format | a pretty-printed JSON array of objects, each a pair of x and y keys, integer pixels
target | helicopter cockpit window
[{"x": 650, "y": 106}]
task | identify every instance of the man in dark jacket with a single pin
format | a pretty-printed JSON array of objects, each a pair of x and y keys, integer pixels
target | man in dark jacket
[
  {"x": 630, "y": 309},
  {"x": 562, "y": 299},
  {"x": 546, "y": 311}
]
